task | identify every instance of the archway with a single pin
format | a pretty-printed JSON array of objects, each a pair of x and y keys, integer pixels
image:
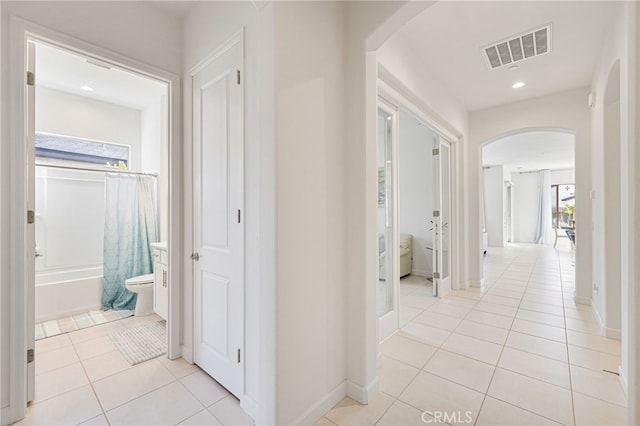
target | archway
[{"x": 524, "y": 157}]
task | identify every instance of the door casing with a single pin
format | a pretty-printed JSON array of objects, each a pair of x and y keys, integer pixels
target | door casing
[{"x": 22, "y": 33}]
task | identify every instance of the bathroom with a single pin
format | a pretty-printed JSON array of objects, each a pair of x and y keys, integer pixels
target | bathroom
[{"x": 93, "y": 118}]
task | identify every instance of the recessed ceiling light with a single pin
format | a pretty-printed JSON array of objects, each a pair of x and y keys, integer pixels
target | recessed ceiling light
[
  {"x": 513, "y": 67},
  {"x": 87, "y": 88},
  {"x": 518, "y": 84}
]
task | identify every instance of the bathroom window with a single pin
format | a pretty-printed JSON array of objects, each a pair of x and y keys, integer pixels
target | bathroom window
[{"x": 82, "y": 150}]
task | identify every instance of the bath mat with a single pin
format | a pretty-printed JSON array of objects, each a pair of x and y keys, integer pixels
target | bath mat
[
  {"x": 78, "y": 322},
  {"x": 142, "y": 343}
]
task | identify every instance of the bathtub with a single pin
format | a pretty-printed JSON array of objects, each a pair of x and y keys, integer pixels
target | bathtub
[{"x": 65, "y": 293}]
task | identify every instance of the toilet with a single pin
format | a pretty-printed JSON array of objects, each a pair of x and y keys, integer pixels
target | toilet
[{"x": 143, "y": 286}]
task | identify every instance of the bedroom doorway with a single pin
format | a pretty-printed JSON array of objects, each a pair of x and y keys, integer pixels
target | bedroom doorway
[{"x": 414, "y": 220}]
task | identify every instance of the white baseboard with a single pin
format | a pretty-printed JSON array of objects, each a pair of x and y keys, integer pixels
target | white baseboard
[
  {"x": 363, "y": 394},
  {"x": 582, "y": 300},
  {"x": 186, "y": 354},
  {"x": 477, "y": 284},
  {"x": 420, "y": 273},
  {"x": 250, "y": 407},
  {"x": 320, "y": 408},
  {"x": 613, "y": 333},
  {"x": 623, "y": 381}
]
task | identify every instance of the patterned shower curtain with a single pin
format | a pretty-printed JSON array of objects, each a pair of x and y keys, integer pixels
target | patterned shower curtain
[{"x": 130, "y": 227}]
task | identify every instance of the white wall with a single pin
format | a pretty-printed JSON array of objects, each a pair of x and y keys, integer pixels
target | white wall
[
  {"x": 416, "y": 197},
  {"x": 615, "y": 47},
  {"x": 631, "y": 312},
  {"x": 154, "y": 150},
  {"x": 565, "y": 110},
  {"x": 309, "y": 61},
  {"x": 560, "y": 177},
  {"x": 67, "y": 114},
  {"x": 493, "y": 178},
  {"x": 116, "y": 27}
]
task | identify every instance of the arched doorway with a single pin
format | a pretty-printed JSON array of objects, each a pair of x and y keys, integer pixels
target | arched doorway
[{"x": 516, "y": 206}]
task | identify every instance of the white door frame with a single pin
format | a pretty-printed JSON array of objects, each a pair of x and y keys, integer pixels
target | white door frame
[
  {"x": 389, "y": 322},
  {"x": 22, "y": 31},
  {"x": 442, "y": 285},
  {"x": 397, "y": 94}
]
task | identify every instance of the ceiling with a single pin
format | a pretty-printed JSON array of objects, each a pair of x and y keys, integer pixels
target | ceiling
[
  {"x": 531, "y": 151},
  {"x": 67, "y": 72},
  {"x": 450, "y": 36}
]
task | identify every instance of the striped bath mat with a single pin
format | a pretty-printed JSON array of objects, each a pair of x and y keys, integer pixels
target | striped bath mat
[
  {"x": 142, "y": 343},
  {"x": 77, "y": 322}
]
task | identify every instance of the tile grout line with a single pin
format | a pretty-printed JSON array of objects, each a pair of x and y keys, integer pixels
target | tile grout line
[
  {"x": 566, "y": 336},
  {"x": 486, "y": 393},
  {"x": 95, "y": 394}
]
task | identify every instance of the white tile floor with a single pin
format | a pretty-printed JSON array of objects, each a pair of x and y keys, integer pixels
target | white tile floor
[
  {"x": 81, "y": 378},
  {"x": 521, "y": 353}
]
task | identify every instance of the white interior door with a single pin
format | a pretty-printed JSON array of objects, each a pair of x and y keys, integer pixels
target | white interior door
[
  {"x": 218, "y": 228},
  {"x": 388, "y": 260},
  {"x": 442, "y": 218},
  {"x": 30, "y": 260}
]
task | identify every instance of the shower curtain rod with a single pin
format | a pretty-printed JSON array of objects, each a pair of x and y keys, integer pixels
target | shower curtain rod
[{"x": 87, "y": 169}]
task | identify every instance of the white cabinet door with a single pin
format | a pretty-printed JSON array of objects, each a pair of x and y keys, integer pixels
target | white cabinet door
[
  {"x": 218, "y": 267},
  {"x": 160, "y": 290}
]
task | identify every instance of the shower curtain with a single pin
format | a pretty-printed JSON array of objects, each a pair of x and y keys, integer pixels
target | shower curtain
[{"x": 129, "y": 229}]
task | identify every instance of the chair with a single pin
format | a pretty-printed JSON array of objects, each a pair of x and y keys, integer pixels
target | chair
[{"x": 405, "y": 252}]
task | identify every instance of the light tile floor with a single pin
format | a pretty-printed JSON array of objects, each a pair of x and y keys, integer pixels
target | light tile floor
[
  {"x": 81, "y": 378},
  {"x": 519, "y": 353}
]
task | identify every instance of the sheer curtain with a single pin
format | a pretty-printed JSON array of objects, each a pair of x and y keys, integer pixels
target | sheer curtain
[
  {"x": 543, "y": 225},
  {"x": 129, "y": 229}
]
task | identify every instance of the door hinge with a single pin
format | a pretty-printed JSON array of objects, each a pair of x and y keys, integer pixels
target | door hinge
[
  {"x": 238, "y": 215},
  {"x": 436, "y": 213},
  {"x": 238, "y": 356},
  {"x": 31, "y": 356},
  {"x": 435, "y": 151},
  {"x": 31, "y": 216},
  {"x": 238, "y": 76},
  {"x": 436, "y": 275},
  {"x": 31, "y": 78}
]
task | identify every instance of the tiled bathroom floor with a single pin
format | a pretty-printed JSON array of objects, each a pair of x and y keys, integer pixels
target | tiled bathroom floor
[
  {"x": 81, "y": 378},
  {"x": 522, "y": 353}
]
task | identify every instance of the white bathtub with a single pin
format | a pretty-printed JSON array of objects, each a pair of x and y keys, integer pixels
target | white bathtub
[{"x": 68, "y": 295}]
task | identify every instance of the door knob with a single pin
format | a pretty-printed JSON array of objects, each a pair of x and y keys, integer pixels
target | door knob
[{"x": 195, "y": 256}]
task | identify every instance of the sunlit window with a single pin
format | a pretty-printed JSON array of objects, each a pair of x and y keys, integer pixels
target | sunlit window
[
  {"x": 563, "y": 204},
  {"x": 82, "y": 150}
]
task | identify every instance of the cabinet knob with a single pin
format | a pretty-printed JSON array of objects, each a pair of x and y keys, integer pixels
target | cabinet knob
[{"x": 195, "y": 256}]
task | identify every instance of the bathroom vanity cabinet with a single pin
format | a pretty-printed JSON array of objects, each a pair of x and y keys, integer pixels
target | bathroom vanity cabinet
[{"x": 161, "y": 280}]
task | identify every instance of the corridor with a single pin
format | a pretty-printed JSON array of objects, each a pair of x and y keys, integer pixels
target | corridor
[{"x": 521, "y": 353}]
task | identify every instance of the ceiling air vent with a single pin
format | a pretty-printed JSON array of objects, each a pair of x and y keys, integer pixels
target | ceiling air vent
[{"x": 515, "y": 49}]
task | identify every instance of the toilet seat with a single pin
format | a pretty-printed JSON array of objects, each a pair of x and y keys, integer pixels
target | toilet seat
[{"x": 140, "y": 280}]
